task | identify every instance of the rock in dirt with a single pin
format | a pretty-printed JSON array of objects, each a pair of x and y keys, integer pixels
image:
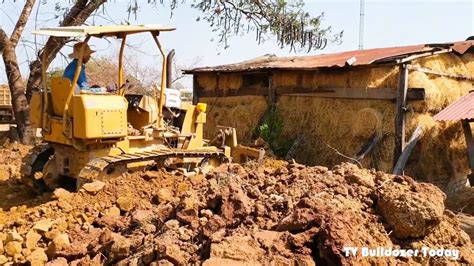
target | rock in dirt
[
  {"x": 164, "y": 195},
  {"x": 125, "y": 204},
  {"x": 32, "y": 238},
  {"x": 93, "y": 187},
  {"x": 173, "y": 254},
  {"x": 120, "y": 248},
  {"x": 37, "y": 257},
  {"x": 142, "y": 216},
  {"x": 60, "y": 242},
  {"x": 411, "y": 210},
  {"x": 3, "y": 260},
  {"x": 236, "y": 249},
  {"x": 43, "y": 225},
  {"x": 61, "y": 193},
  {"x": 58, "y": 262},
  {"x": 148, "y": 175},
  {"x": 13, "y": 248},
  {"x": 113, "y": 211},
  {"x": 13, "y": 236}
]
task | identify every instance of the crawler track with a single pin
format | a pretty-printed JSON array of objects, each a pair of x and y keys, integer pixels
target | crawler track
[{"x": 96, "y": 167}]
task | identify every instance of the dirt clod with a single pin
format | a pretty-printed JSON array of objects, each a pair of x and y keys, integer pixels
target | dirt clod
[
  {"x": 125, "y": 204},
  {"x": 277, "y": 213},
  {"x": 411, "y": 210},
  {"x": 93, "y": 187}
]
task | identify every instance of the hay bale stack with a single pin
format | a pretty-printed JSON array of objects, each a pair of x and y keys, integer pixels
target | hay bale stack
[
  {"x": 440, "y": 155},
  {"x": 242, "y": 112},
  {"x": 328, "y": 122},
  {"x": 346, "y": 124}
]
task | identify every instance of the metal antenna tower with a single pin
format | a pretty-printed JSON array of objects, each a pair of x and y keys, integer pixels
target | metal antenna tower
[{"x": 361, "y": 25}]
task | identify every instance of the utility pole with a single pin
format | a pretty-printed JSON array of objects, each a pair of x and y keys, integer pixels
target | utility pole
[{"x": 361, "y": 25}]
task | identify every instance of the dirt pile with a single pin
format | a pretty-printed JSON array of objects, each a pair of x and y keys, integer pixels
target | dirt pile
[
  {"x": 290, "y": 214},
  {"x": 10, "y": 158}
]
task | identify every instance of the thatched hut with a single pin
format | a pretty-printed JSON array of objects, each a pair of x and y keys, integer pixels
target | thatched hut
[{"x": 363, "y": 104}]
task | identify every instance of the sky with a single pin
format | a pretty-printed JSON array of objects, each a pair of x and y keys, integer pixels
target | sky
[{"x": 387, "y": 23}]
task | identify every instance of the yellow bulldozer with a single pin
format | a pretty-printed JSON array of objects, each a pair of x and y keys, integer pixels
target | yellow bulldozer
[{"x": 97, "y": 136}]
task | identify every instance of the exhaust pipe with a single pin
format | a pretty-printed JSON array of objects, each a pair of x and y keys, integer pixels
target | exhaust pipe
[{"x": 169, "y": 68}]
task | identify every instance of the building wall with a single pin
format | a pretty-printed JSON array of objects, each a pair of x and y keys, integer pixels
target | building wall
[{"x": 332, "y": 127}]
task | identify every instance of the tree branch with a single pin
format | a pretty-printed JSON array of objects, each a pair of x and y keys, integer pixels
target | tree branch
[
  {"x": 3, "y": 40},
  {"x": 22, "y": 20},
  {"x": 76, "y": 16}
]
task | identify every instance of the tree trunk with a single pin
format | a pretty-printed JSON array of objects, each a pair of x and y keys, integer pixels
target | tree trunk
[
  {"x": 15, "y": 82},
  {"x": 17, "y": 89}
]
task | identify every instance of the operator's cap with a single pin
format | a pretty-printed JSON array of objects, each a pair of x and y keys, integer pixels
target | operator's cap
[{"x": 77, "y": 50}]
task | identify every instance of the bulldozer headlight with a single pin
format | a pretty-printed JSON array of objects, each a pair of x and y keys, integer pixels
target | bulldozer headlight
[{"x": 201, "y": 107}]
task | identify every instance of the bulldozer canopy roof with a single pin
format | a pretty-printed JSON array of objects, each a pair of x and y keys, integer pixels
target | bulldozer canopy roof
[{"x": 101, "y": 31}]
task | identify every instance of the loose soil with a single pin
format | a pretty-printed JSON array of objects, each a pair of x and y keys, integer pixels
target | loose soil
[{"x": 273, "y": 213}]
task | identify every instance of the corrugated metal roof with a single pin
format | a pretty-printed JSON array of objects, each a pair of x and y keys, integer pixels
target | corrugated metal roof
[
  {"x": 350, "y": 58},
  {"x": 459, "y": 110}
]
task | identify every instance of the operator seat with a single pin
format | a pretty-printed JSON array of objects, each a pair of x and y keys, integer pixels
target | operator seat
[{"x": 59, "y": 91}]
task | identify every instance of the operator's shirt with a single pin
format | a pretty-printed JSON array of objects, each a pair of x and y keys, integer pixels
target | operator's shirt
[{"x": 82, "y": 81}]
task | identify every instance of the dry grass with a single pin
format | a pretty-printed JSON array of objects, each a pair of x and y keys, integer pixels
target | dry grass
[
  {"x": 346, "y": 124},
  {"x": 441, "y": 91},
  {"x": 242, "y": 112},
  {"x": 343, "y": 124},
  {"x": 440, "y": 155},
  {"x": 207, "y": 81},
  {"x": 211, "y": 82},
  {"x": 379, "y": 77}
]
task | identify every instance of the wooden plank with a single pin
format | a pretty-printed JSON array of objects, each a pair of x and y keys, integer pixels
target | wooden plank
[
  {"x": 401, "y": 106},
  {"x": 470, "y": 143},
  {"x": 368, "y": 146},
  {"x": 402, "y": 160}
]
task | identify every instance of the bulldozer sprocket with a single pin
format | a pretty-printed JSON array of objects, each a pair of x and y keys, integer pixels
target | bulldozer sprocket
[{"x": 34, "y": 162}]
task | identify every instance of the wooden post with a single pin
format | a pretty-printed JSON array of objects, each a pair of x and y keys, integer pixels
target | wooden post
[
  {"x": 271, "y": 92},
  {"x": 195, "y": 90},
  {"x": 401, "y": 108},
  {"x": 469, "y": 141},
  {"x": 402, "y": 160},
  {"x": 271, "y": 103}
]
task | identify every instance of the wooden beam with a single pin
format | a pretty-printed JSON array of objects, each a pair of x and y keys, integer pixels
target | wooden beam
[
  {"x": 437, "y": 73},
  {"x": 368, "y": 146},
  {"x": 470, "y": 143},
  {"x": 401, "y": 107},
  {"x": 402, "y": 160},
  {"x": 233, "y": 92},
  {"x": 415, "y": 94},
  {"x": 195, "y": 90}
]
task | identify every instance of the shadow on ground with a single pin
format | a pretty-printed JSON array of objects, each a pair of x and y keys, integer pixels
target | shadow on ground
[{"x": 15, "y": 194}]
